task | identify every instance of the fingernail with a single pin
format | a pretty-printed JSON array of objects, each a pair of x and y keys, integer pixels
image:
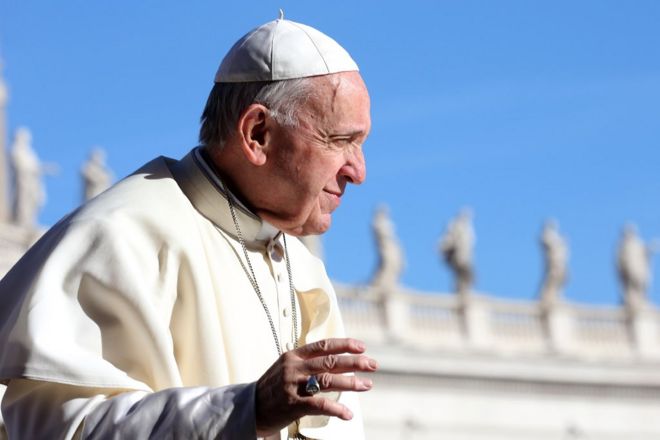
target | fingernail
[
  {"x": 373, "y": 364},
  {"x": 350, "y": 414},
  {"x": 367, "y": 383},
  {"x": 360, "y": 346}
]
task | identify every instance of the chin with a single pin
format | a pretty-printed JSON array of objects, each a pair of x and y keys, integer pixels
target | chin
[{"x": 317, "y": 225}]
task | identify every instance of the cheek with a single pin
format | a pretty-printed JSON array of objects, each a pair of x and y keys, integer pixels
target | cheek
[
  {"x": 313, "y": 173},
  {"x": 316, "y": 177}
]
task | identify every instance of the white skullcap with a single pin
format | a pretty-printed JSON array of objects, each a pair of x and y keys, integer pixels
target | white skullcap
[{"x": 283, "y": 49}]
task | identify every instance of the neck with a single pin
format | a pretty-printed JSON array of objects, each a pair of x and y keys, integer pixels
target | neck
[
  {"x": 228, "y": 183},
  {"x": 268, "y": 231},
  {"x": 230, "y": 168}
]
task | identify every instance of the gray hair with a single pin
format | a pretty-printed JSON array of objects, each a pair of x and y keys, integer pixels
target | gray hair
[{"x": 227, "y": 101}]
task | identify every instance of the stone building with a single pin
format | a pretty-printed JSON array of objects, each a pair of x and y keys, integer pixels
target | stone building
[{"x": 483, "y": 368}]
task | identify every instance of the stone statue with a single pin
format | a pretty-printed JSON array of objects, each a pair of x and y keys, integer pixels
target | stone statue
[
  {"x": 390, "y": 254},
  {"x": 29, "y": 193},
  {"x": 555, "y": 253},
  {"x": 456, "y": 247},
  {"x": 634, "y": 267},
  {"x": 96, "y": 176}
]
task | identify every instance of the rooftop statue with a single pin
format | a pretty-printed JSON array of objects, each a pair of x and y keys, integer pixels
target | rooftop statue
[
  {"x": 95, "y": 174},
  {"x": 456, "y": 247},
  {"x": 29, "y": 193},
  {"x": 634, "y": 267},
  {"x": 390, "y": 254},
  {"x": 555, "y": 253}
]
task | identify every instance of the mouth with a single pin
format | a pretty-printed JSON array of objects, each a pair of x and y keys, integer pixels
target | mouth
[{"x": 335, "y": 197}]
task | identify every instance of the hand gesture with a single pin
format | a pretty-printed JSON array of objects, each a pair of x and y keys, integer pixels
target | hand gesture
[{"x": 281, "y": 397}]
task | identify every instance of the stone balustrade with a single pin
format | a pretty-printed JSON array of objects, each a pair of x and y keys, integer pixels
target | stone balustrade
[{"x": 482, "y": 323}]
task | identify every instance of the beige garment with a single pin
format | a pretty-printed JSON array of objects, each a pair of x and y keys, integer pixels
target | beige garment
[{"x": 143, "y": 289}]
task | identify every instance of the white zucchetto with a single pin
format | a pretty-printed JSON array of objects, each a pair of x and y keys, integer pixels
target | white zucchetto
[{"x": 283, "y": 49}]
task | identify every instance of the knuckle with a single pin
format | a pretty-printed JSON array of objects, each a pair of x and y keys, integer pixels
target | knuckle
[
  {"x": 313, "y": 403},
  {"x": 363, "y": 362},
  {"x": 323, "y": 405},
  {"x": 329, "y": 362},
  {"x": 323, "y": 345},
  {"x": 325, "y": 380}
]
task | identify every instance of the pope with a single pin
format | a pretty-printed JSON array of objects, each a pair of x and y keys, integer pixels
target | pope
[{"x": 180, "y": 302}]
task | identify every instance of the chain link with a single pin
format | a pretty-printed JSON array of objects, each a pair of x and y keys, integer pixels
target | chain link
[
  {"x": 294, "y": 311},
  {"x": 255, "y": 285}
]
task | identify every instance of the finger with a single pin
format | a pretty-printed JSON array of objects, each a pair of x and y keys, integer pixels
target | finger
[
  {"x": 339, "y": 382},
  {"x": 333, "y": 363},
  {"x": 336, "y": 382},
  {"x": 331, "y": 346},
  {"x": 326, "y": 407}
]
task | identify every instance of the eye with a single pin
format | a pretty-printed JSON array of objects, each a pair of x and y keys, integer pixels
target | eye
[
  {"x": 343, "y": 140},
  {"x": 347, "y": 140}
]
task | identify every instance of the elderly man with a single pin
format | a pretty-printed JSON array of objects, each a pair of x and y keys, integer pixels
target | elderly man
[{"x": 179, "y": 304}]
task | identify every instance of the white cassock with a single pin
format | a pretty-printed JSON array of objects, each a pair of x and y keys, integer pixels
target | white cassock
[{"x": 135, "y": 316}]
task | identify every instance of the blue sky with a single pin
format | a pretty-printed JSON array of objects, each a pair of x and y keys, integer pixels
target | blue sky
[{"x": 521, "y": 110}]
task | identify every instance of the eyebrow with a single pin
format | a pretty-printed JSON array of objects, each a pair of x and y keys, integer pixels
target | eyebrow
[{"x": 350, "y": 134}]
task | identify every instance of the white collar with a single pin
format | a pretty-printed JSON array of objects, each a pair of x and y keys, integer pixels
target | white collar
[{"x": 268, "y": 231}]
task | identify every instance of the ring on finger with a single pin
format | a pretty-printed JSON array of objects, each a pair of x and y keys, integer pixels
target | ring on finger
[{"x": 312, "y": 386}]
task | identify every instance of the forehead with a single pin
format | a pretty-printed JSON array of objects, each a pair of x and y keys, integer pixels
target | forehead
[{"x": 339, "y": 101}]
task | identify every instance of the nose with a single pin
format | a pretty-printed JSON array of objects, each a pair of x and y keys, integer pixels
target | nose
[{"x": 355, "y": 168}]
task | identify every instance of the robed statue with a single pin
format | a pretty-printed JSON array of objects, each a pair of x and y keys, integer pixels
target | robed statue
[
  {"x": 95, "y": 174},
  {"x": 29, "y": 192},
  {"x": 555, "y": 256},
  {"x": 456, "y": 247},
  {"x": 634, "y": 268},
  {"x": 390, "y": 253}
]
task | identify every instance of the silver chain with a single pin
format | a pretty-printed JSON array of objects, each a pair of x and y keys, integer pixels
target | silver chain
[
  {"x": 294, "y": 310},
  {"x": 255, "y": 285}
]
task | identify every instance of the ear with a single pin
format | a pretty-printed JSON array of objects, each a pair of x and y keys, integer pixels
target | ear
[{"x": 254, "y": 130}]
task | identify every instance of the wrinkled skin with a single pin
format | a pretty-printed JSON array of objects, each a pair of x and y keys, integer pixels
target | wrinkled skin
[
  {"x": 294, "y": 177},
  {"x": 324, "y": 154},
  {"x": 280, "y": 395}
]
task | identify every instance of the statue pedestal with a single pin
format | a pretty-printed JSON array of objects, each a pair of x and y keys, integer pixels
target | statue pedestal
[
  {"x": 644, "y": 331},
  {"x": 476, "y": 322},
  {"x": 397, "y": 313},
  {"x": 558, "y": 323}
]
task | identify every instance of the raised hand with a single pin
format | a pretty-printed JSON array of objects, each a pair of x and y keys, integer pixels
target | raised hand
[{"x": 281, "y": 397}]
